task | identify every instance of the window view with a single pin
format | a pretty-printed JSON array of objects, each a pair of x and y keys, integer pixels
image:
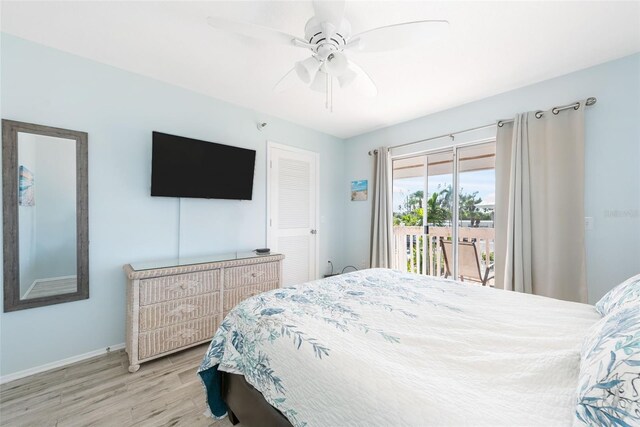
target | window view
[
  {"x": 424, "y": 220},
  {"x": 476, "y": 203}
]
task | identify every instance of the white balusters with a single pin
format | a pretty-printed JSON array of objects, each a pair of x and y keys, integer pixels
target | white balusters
[{"x": 419, "y": 253}]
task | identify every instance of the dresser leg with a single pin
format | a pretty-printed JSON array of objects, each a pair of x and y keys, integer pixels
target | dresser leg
[{"x": 134, "y": 368}]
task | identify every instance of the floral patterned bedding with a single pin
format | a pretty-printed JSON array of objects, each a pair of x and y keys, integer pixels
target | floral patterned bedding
[
  {"x": 379, "y": 347},
  {"x": 609, "y": 382}
]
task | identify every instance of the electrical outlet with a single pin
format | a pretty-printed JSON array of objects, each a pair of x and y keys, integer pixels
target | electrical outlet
[{"x": 588, "y": 223}]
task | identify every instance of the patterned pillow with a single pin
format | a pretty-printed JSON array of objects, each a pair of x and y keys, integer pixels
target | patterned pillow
[
  {"x": 626, "y": 292},
  {"x": 609, "y": 382}
]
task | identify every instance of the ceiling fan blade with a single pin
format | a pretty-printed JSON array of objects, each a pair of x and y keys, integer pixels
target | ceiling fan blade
[
  {"x": 286, "y": 82},
  {"x": 363, "y": 83},
  {"x": 397, "y": 36},
  {"x": 329, "y": 11},
  {"x": 255, "y": 31}
]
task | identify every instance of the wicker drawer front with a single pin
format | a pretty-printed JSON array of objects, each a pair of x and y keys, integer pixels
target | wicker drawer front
[
  {"x": 171, "y": 312},
  {"x": 167, "y": 288},
  {"x": 233, "y": 297},
  {"x": 166, "y": 339},
  {"x": 250, "y": 274}
]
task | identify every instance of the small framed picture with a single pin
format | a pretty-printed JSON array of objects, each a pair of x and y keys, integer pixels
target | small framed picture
[
  {"x": 359, "y": 190},
  {"x": 26, "y": 193}
]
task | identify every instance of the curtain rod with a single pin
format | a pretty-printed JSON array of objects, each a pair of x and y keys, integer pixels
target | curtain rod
[{"x": 555, "y": 110}]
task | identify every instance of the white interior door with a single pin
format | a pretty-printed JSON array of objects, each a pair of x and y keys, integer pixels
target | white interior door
[{"x": 292, "y": 196}]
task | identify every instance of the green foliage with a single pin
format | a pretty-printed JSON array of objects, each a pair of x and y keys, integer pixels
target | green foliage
[
  {"x": 438, "y": 210},
  {"x": 439, "y": 207},
  {"x": 468, "y": 208}
]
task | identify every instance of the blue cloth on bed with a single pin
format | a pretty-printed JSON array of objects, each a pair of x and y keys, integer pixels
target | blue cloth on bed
[{"x": 212, "y": 382}]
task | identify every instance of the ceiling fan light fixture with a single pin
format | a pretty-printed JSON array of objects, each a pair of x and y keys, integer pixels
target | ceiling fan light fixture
[
  {"x": 319, "y": 83},
  {"x": 307, "y": 69},
  {"x": 336, "y": 63},
  {"x": 346, "y": 78}
]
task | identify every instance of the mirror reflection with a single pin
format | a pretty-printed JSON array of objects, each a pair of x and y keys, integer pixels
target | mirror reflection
[{"x": 46, "y": 215}]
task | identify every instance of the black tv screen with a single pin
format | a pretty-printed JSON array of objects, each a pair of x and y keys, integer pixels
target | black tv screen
[{"x": 185, "y": 167}]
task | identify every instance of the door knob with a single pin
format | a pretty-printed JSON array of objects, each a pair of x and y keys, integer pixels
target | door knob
[{"x": 314, "y": 231}]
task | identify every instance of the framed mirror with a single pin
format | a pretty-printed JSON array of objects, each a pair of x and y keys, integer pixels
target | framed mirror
[{"x": 45, "y": 215}]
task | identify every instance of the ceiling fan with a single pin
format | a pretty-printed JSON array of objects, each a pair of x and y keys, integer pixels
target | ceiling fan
[{"x": 328, "y": 36}]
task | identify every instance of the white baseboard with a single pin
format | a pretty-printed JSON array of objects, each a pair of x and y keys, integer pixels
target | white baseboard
[{"x": 59, "y": 363}]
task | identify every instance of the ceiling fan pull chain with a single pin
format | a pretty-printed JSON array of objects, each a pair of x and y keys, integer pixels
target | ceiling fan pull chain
[
  {"x": 326, "y": 93},
  {"x": 331, "y": 92}
]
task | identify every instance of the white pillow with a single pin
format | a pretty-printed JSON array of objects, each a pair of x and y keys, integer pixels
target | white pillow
[{"x": 627, "y": 292}]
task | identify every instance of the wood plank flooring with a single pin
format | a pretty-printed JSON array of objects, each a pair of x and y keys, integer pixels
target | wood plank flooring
[
  {"x": 45, "y": 288},
  {"x": 101, "y": 392}
]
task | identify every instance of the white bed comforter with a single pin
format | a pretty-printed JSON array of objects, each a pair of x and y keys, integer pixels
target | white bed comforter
[{"x": 381, "y": 348}]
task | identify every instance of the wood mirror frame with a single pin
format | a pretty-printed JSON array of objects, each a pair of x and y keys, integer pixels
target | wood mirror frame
[{"x": 12, "y": 300}]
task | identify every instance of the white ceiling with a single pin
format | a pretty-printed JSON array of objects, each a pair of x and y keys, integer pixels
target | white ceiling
[{"x": 492, "y": 47}]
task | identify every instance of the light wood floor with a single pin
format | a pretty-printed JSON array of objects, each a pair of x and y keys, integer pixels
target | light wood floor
[
  {"x": 101, "y": 392},
  {"x": 45, "y": 288}
]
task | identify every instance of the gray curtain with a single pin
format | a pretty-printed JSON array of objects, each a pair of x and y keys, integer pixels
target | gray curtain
[
  {"x": 539, "y": 216},
  {"x": 381, "y": 212}
]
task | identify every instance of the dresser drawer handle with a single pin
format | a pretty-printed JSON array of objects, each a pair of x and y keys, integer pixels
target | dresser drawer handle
[
  {"x": 182, "y": 310},
  {"x": 183, "y": 285},
  {"x": 183, "y": 335}
]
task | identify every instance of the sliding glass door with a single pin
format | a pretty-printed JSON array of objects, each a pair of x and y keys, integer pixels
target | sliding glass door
[{"x": 443, "y": 212}]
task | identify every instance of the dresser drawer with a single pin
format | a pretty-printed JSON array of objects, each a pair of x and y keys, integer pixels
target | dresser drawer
[
  {"x": 163, "y": 340},
  {"x": 171, "y": 312},
  {"x": 234, "y": 296},
  {"x": 250, "y": 274},
  {"x": 166, "y": 288}
]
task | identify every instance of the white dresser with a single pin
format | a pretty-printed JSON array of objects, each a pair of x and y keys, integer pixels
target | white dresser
[{"x": 173, "y": 305}]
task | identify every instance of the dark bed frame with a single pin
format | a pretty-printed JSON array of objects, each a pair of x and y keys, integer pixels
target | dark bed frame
[{"x": 247, "y": 405}]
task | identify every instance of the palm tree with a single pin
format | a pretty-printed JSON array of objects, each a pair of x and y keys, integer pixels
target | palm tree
[{"x": 436, "y": 213}]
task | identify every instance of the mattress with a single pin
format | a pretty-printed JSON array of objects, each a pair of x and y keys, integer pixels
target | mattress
[{"x": 380, "y": 347}]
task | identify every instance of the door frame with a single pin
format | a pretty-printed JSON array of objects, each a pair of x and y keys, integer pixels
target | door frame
[
  {"x": 276, "y": 145},
  {"x": 453, "y": 148}
]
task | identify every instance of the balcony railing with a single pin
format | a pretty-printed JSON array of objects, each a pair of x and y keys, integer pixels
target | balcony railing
[{"x": 416, "y": 252}]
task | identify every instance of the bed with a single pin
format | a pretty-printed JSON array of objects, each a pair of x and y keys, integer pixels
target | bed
[{"x": 380, "y": 347}]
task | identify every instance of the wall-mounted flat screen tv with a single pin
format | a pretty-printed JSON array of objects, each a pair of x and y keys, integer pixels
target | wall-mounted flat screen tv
[{"x": 185, "y": 167}]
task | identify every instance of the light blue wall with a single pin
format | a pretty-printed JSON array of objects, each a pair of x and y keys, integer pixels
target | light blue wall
[
  {"x": 119, "y": 110},
  {"x": 612, "y": 139}
]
